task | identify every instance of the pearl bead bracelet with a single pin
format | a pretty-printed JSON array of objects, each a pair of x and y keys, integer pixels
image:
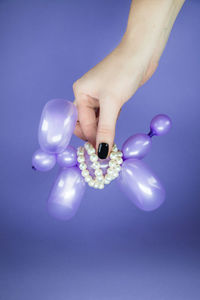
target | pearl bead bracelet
[{"x": 99, "y": 179}]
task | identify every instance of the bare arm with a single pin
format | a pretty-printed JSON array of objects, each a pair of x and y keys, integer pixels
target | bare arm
[{"x": 102, "y": 91}]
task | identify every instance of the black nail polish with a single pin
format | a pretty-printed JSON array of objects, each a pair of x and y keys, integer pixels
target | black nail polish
[{"x": 103, "y": 150}]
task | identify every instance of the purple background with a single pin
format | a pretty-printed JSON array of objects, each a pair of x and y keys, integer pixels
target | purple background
[{"x": 110, "y": 250}]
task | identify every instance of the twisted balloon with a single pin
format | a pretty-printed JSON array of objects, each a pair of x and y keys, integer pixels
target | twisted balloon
[{"x": 135, "y": 179}]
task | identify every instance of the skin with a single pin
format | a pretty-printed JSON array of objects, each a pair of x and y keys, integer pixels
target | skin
[{"x": 102, "y": 91}]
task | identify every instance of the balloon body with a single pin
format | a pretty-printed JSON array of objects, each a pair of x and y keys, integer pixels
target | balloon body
[
  {"x": 136, "y": 146},
  {"x": 140, "y": 185},
  {"x": 66, "y": 193},
  {"x": 43, "y": 161},
  {"x": 57, "y": 124},
  {"x": 160, "y": 125},
  {"x": 67, "y": 158}
]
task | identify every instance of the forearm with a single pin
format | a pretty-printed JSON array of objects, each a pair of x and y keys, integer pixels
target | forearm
[
  {"x": 113, "y": 81},
  {"x": 149, "y": 25}
]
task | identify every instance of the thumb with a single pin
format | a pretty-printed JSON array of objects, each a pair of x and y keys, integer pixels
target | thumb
[{"x": 106, "y": 127}]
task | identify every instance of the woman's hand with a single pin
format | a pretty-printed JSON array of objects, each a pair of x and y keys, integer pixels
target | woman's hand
[{"x": 102, "y": 91}]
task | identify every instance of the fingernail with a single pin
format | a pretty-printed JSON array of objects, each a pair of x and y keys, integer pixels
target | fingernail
[{"x": 103, "y": 150}]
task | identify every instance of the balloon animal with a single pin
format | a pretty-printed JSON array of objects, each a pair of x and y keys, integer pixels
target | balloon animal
[{"x": 82, "y": 166}]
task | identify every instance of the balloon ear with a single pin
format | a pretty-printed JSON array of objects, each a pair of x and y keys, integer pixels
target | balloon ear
[
  {"x": 66, "y": 194},
  {"x": 138, "y": 145},
  {"x": 160, "y": 125},
  {"x": 57, "y": 124},
  {"x": 140, "y": 185}
]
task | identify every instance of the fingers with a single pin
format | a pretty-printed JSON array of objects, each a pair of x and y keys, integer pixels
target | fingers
[
  {"x": 90, "y": 114},
  {"x": 109, "y": 111},
  {"x": 87, "y": 118},
  {"x": 78, "y": 131}
]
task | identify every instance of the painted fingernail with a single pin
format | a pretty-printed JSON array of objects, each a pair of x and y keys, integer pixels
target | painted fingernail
[{"x": 103, "y": 150}]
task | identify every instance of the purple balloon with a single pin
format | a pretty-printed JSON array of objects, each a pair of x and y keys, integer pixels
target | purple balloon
[
  {"x": 66, "y": 193},
  {"x": 43, "y": 161},
  {"x": 136, "y": 146},
  {"x": 160, "y": 125},
  {"x": 67, "y": 158},
  {"x": 57, "y": 124},
  {"x": 140, "y": 185}
]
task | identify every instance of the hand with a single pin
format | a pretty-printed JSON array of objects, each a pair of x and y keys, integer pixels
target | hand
[{"x": 102, "y": 91}]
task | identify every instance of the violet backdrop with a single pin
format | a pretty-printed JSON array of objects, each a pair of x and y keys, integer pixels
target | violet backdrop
[{"x": 110, "y": 249}]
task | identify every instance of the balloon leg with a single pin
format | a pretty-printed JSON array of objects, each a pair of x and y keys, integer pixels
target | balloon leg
[
  {"x": 140, "y": 185},
  {"x": 66, "y": 193}
]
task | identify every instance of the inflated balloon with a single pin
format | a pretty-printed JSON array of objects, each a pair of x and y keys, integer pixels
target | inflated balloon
[
  {"x": 137, "y": 146},
  {"x": 43, "y": 161},
  {"x": 67, "y": 158},
  {"x": 82, "y": 166},
  {"x": 57, "y": 125},
  {"x": 66, "y": 194},
  {"x": 160, "y": 125},
  {"x": 137, "y": 179}
]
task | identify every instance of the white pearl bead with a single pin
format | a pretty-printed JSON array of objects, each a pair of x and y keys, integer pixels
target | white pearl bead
[
  {"x": 88, "y": 178},
  {"x": 109, "y": 170},
  {"x": 96, "y": 185},
  {"x": 100, "y": 178},
  {"x": 112, "y": 163},
  {"x": 95, "y": 165},
  {"x": 108, "y": 177},
  {"x": 118, "y": 168},
  {"x": 91, "y": 151},
  {"x": 113, "y": 155},
  {"x": 80, "y": 150},
  {"x": 101, "y": 186},
  {"x": 91, "y": 183},
  {"x": 87, "y": 146},
  {"x": 114, "y": 148},
  {"x": 98, "y": 172},
  {"x": 93, "y": 157},
  {"x": 119, "y": 160},
  {"x": 85, "y": 173},
  {"x": 81, "y": 158},
  {"x": 106, "y": 181},
  {"x": 115, "y": 174},
  {"x": 82, "y": 166},
  {"x": 119, "y": 154}
]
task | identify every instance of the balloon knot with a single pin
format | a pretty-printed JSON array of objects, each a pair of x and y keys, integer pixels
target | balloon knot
[{"x": 151, "y": 134}]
